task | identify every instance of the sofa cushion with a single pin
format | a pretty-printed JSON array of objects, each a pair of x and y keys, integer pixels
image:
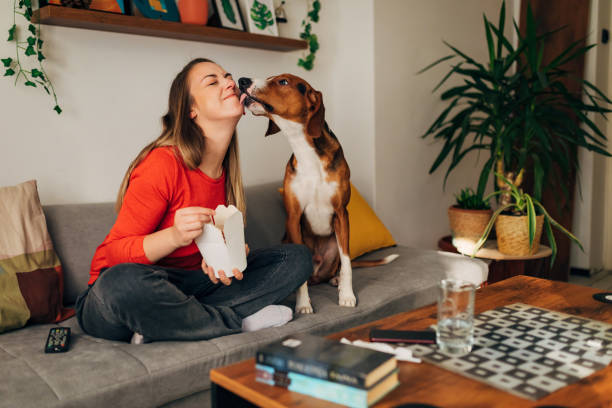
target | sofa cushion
[
  {"x": 101, "y": 373},
  {"x": 77, "y": 230},
  {"x": 31, "y": 278}
]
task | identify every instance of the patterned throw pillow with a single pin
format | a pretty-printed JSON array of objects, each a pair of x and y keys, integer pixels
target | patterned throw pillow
[
  {"x": 367, "y": 233},
  {"x": 31, "y": 280}
]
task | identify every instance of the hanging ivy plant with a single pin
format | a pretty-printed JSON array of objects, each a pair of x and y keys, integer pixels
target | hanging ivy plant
[
  {"x": 313, "y": 44},
  {"x": 31, "y": 47}
]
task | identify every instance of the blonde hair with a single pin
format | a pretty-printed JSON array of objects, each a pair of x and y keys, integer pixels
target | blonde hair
[{"x": 181, "y": 131}]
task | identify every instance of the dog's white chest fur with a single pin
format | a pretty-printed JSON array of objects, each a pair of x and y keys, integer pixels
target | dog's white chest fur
[{"x": 310, "y": 184}]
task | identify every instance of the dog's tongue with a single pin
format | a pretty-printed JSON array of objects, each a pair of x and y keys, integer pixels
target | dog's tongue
[{"x": 243, "y": 97}]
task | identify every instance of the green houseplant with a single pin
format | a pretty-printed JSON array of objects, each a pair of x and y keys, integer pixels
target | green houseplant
[
  {"x": 307, "y": 62},
  {"x": 517, "y": 109},
  {"x": 468, "y": 219},
  {"x": 31, "y": 46},
  {"x": 524, "y": 220}
]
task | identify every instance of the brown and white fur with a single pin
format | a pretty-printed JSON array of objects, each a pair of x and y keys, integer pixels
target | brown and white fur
[{"x": 316, "y": 184}]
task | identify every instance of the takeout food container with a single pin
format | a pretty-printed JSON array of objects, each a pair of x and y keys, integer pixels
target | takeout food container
[{"x": 222, "y": 242}]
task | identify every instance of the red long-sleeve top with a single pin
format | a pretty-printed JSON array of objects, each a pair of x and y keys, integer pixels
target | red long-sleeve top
[{"x": 159, "y": 186}]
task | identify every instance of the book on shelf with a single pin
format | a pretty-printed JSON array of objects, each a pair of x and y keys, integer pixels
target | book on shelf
[
  {"x": 327, "y": 360},
  {"x": 328, "y": 390}
]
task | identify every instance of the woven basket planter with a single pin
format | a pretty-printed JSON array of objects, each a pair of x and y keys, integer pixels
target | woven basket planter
[
  {"x": 513, "y": 234},
  {"x": 467, "y": 226}
]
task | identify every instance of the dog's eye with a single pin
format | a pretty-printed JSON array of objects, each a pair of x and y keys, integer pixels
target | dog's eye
[{"x": 283, "y": 82}]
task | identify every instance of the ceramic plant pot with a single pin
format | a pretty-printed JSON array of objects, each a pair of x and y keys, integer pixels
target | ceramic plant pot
[{"x": 193, "y": 11}]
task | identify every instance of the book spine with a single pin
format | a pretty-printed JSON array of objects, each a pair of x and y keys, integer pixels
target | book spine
[
  {"x": 314, "y": 387},
  {"x": 311, "y": 368}
]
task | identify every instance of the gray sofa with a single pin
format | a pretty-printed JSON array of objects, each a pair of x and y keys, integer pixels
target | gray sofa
[{"x": 100, "y": 373}]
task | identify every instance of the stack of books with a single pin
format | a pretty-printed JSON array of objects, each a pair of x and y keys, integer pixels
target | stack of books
[{"x": 328, "y": 369}]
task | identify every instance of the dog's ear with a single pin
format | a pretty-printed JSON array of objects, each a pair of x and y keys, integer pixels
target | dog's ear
[
  {"x": 316, "y": 113},
  {"x": 272, "y": 128}
]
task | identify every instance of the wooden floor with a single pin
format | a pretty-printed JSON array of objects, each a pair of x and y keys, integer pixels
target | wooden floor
[{"x": 600, "y": 280}]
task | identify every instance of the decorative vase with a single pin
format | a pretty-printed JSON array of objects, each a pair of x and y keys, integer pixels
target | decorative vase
[
  {"x": 467, "y": 226},
  {"x": 513, "y": 234},
  {"x": 193, "y": 11}
]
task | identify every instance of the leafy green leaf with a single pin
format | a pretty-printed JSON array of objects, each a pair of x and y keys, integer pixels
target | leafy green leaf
[
  {"x": 7, "y": 62},
  {"x": 11, "y": 32},
  {"x": 30, "y": 51},
  {"x": 313, "y": 43},
  {"x": 489, "y": 227},
  {"x": 46, "y": 90},
  {"x": 41, "y": 56},
  {"x": 9, "y": 72},
  {"x": 551, "y": 241},
  {"x": 502, "y": 21},
  {"x": 30, "y": 83},
  {"x": 557, "y": 225},
  {"x": 531, "y": 220},
  {"x": 36, "y": 73},
  {"x": 484, "y": 176},
  {"x": 32, "y": 29},
  {"x": 31, "y": 41},
  {"x": 433, "y": 64},
  {"x": 489, "y": 42},
  {"x": 57, "y": 109}
]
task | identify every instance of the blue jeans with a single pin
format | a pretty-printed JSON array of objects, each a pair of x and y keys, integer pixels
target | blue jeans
[{"x": 176, "y": 304}]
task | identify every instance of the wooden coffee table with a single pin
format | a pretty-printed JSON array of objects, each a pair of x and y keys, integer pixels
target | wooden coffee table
[{"x": 235, "y": 385}]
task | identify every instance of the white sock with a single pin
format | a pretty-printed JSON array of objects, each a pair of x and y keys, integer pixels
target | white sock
[
  {"x": 137, "y": 338},
  {"x": 269, "y": 316}
]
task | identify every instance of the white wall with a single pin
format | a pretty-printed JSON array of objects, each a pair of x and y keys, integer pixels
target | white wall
[
  {"x": 408, "y": 37},
  {"x": 114, "y": 89}
]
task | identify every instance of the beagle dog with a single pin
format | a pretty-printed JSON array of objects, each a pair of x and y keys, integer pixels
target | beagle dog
[{"x": 316, "y": 185}]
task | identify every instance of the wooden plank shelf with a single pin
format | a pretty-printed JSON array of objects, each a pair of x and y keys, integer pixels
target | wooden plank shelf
[{"x": 98, "y": 20}]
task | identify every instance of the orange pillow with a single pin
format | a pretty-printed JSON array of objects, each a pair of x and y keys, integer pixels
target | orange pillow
[{"x": 366, "y": 232}]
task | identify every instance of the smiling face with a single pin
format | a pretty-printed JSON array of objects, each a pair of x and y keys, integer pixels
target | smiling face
[
  {"x": 214, "y": 93},
  {"x": 285, "y": 95}
]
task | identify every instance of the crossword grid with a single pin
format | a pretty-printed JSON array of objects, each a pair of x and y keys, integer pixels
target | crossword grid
[{"x": 528, "y": 351}]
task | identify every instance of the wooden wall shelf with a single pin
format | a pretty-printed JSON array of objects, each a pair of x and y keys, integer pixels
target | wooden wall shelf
[{"x": 97, "y": 20}]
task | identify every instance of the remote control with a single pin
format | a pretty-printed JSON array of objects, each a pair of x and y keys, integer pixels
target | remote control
[
  {"x": 403, "y": 336},
  {"x": 58, "y": 340}
]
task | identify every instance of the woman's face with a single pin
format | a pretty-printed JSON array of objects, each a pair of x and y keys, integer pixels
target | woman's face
[{"x": 214, "y": 92}]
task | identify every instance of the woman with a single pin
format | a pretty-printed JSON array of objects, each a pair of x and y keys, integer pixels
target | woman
[{"x": 148, "y": 280}]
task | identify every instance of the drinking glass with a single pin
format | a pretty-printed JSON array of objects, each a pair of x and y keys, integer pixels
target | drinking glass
[{"x": 455, "y": 330}]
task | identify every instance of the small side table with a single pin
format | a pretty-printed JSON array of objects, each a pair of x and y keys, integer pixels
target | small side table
[{"x": 503, "y": 266}]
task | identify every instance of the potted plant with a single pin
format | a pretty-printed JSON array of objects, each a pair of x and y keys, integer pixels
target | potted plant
[
  {"x": 468, "y": 219},
  {"x": 28, "y": 52},
  {"x": 517, "y": 109},
  {"x": 519, "y": 224}
]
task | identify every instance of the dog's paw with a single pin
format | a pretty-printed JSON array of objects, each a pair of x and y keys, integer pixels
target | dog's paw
[
  {"x": 347, "y": 299},
  {"x": 304, "y": 309}
]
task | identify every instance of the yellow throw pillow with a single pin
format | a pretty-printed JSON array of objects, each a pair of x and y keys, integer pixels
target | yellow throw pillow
[{"x": 366, "y": 232}]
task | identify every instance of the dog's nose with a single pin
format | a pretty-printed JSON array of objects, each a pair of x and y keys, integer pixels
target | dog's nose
[{"x": 244, "y": 83}]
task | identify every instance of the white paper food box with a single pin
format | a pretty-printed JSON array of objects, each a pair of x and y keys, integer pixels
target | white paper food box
[{"x": 222, "y": 242}]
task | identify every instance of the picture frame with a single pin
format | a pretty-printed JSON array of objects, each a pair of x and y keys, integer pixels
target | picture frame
[
  {"x": 110, "y": 6},
  {"x": 260, "y": 16},
  {"x": 156, "y": 9},
  {"x": 228, "y": 14}
]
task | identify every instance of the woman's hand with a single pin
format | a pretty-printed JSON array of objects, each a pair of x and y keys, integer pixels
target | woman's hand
[
  {"x": 209, "y": 270},
  {"x": 189, "y": 224}
]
